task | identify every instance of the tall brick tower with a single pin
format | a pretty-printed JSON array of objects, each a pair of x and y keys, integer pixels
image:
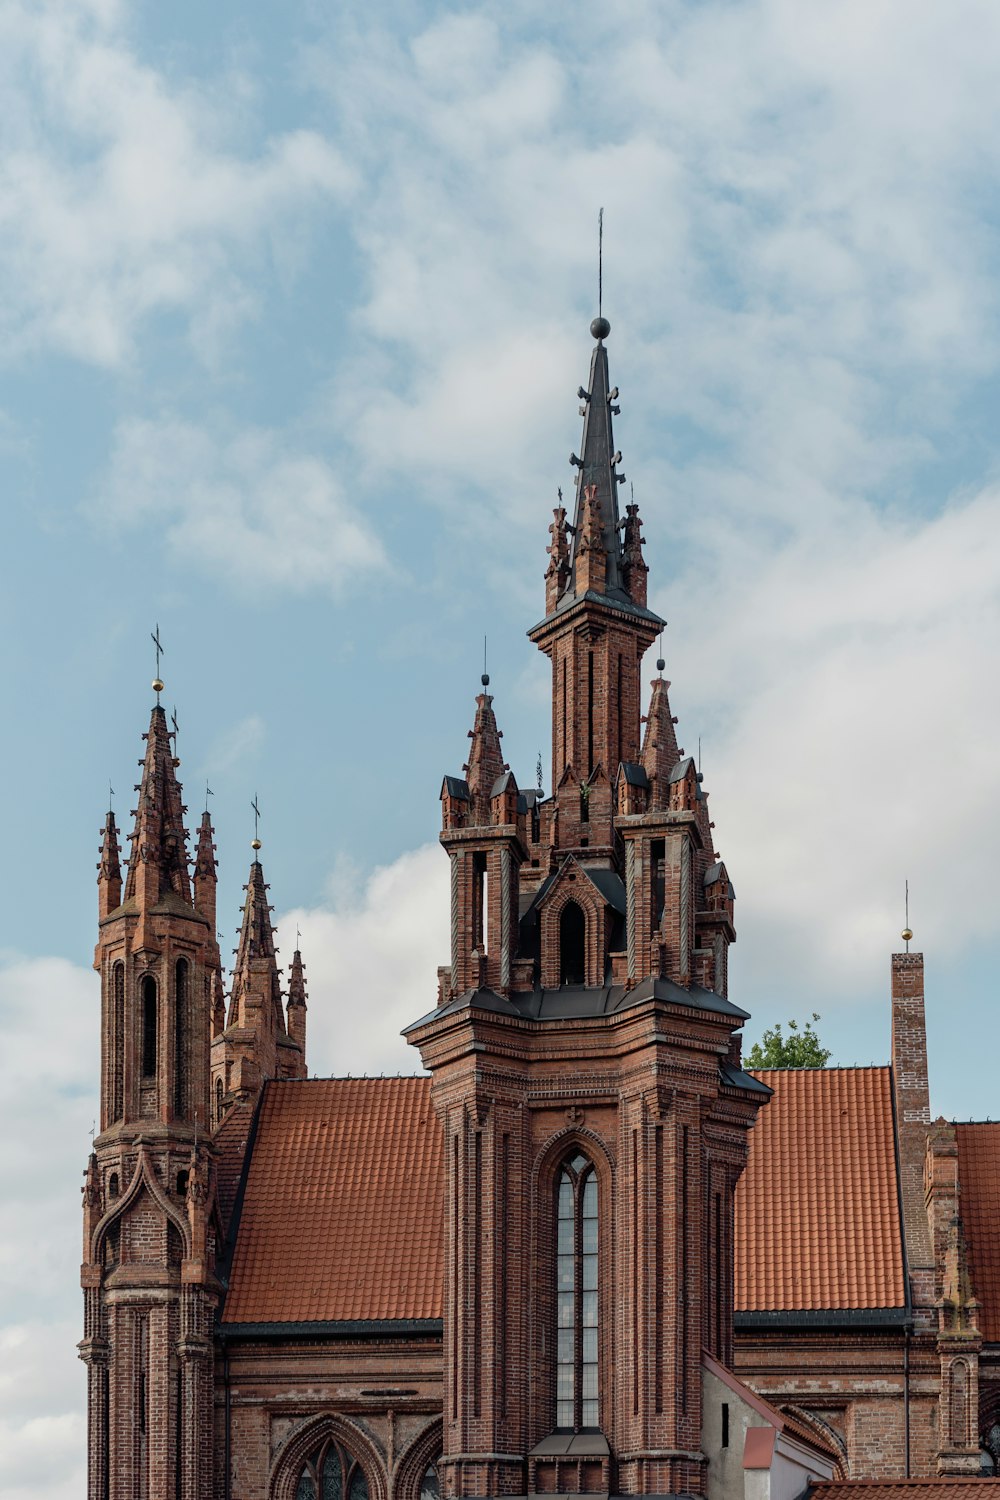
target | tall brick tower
[
  {"x": 585, "y": 1055},
  {"x": 148, "y": 1230}
]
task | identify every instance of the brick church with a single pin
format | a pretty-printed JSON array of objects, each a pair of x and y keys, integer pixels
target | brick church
[{"x": 589, "y": 1253}]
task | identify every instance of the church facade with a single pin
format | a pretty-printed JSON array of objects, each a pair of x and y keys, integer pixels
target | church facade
[{"x": 545, "y": 1267}]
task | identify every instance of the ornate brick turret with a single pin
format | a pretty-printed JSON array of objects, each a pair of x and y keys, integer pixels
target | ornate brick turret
[
  {"x": 255, "y": 1044},
  {"x": 149, "y": 1226},
  {"x": 585, "y": 1057}
]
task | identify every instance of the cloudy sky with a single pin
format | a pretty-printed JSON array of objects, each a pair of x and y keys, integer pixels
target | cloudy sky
[{"x": 294, "y": 305}]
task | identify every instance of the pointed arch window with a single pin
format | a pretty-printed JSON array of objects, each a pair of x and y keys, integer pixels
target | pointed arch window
[
  {"x": 576, "y": 1296},
  {"x": 118, "y": 1043},
  {"x": 181, "y": 1027},
  {"x": 572, "y": 944},
  {"x": 332, "y": 1473},
  {"x": 148, "y": 995}
]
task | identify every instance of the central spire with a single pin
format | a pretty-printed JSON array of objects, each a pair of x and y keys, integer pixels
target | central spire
[
  {"x": 597, "y": 468},
  {"x": 159, "y": 864}
]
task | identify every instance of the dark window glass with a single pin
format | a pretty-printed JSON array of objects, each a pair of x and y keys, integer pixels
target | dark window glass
[
  {"x": 430, "y": 1486},
  {"x": 572, "y": 944},
  {"x": 149, "y": 1027},
  {"x": 118, "y": 1044},
  {"x": 577, "y": 1334},
  {"x": 332, "y": 1473},
  {"x": 181, "y": 1028}
]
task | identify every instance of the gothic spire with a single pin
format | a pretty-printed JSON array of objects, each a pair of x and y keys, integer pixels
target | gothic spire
[
  {"x": 109, "y": 870},
  {"x": 486, "y": 763},
  {"x": 297, "y": 982},
  {"x": 205, "y": 869},
  {"x": 597, "y": 477},
  {"x": 659, "y": 746},
  {"x": 158, "y": 865},
  {"x": 256, "y": 932}
]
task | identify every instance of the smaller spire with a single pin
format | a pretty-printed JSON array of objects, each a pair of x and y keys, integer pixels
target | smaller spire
[
  {"x": 591, "y": 557},
  {"x": 634, "y": 568},
  {"x": 297, "y": 981},
  {"x": 486, "y": 763},
  {"x": 659, "y": 746},
  {"x": 557, "y": 572},
  {"x": 205, "y": 863},
  {"x": 109, "y": 870},
  {"x": 256, "y": 932}
]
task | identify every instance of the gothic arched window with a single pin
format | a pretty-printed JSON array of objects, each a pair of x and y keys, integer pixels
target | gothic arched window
[
  {"x": 572, "y": 944},
  {"x": 181, "y": 1023},
  {"x": 576, "y": 1296},
  {"x": 332, "y": 1473},
  {"x": 430, "y": 1485},
  {"x": 149, "y": 1027},
  {"x": 118, "y": 1042},
  {"x": 218, "y": 1100}
]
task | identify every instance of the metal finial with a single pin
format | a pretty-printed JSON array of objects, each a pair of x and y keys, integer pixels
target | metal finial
[
  {"x": 255, "y": 841},
  {"x": 298, "y": 936},
  {"x": 660, "y": 663},
  {"x": 111, "y": 799},
  {"x": 485, "y": 679},
  {"x": 538, "y": 773},
  {"x": 157, "y": 680},
  {"x": 699, "y": 753},
  {"x": 600, "y": 263},
  {"x": 907, "y": 932},
  {"x": 208, "y": 793},
  {"x": 175, "y": 732}
]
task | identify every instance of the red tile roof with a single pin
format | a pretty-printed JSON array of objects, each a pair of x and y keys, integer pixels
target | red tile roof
[
  {"x": 342, "y": 1213},
  {"x": 979, "y": 1206},
  {"x": 817, "y": 1209},
  {"x": 905, "y": 1489}
]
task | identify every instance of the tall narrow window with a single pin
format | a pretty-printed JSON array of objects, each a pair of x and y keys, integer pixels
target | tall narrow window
[
  {"x": 148, "y": 1027},
  {"x": 572, "y": 944},
  {"x": 219, "y": 1095},
  {"x": 117, "y": 1100},
  {"x": 480, "y": 902},
  {"x": 590, "y": 712},
  {"x": 576, "y": 1297},
  {"x": 181, "y": 1029}
]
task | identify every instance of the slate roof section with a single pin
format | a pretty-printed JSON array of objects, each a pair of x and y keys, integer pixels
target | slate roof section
[
  {"x": 817, "y": 1209},
  {"x": 979, "y": 1205},
  {"x": 343, "y": 1205},
  {"x": 230, "y": 1143},
  {"x": 905, "y": 1489}
]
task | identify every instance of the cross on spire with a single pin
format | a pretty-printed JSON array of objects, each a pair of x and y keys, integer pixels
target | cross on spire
[
  {"x": 154, "y": 636},
  {"x": 256, "y": 823},
  {"x": 175, "y": 731}
]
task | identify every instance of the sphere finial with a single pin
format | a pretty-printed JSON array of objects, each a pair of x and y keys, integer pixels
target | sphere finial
[
  {"x": 157, "y": 684},
  {"x": 907, "y": 934},
  {"x": 485, "y": 679},
  {"x": 600, "y": 328},
  {"x": 255, "y": 844}
]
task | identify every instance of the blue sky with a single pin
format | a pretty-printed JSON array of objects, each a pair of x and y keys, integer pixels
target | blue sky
[{"x": 294, "y": 306}]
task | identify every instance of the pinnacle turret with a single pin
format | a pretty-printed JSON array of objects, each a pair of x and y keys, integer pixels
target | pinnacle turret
[
  {"x": 296, "y": 1007},
  {"x": 158, "y": 865},
  {"x": 659, "y": 746},
  {"x": 109, "y": 870},
  {"x": 486, "y": 763}
]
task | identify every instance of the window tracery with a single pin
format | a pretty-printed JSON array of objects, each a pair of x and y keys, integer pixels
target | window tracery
[
  {"x": 332, "y": 1473},
  {"x": 576, "y": 1296}
]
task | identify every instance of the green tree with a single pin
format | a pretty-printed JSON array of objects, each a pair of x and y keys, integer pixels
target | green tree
[{"x": 797, "y": 1049}]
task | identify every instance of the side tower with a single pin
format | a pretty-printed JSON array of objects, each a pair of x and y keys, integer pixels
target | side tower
[
  {"x": 585, "y": 1055},
  {"x": 148, "y": 1228}
]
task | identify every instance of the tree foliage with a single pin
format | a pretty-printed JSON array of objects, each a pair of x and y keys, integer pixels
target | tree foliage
[{"x": 798, "y": 1048}]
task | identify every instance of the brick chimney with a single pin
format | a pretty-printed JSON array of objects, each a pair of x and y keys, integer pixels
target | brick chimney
[{"x": 911, "y": 1094}]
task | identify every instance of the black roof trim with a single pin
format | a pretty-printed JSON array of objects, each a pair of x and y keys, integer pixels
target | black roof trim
[
  {"x": 824, "y": 1317},
  {"x": 369, "y": 1328},
  {"x": 736, "y": 1078},
  {"x": 456, "y": 787},
  {"x": 681, "y": 769}
]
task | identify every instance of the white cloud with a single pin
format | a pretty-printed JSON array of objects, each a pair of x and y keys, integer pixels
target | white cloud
[
  {"x": 50, "y": 1017},
  {"x": 371, "y": 958},
  {"x": 244, "y": 507},
  {"x": 122, "y": 196}
]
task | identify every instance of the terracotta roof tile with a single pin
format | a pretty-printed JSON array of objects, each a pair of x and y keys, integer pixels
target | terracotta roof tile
[
  {"x": 342, "y": 1213},
  {"x": 905, "y": 1489},
  {"x": 979, "y": 1205},
  {"x": 817, "y": 1209}
]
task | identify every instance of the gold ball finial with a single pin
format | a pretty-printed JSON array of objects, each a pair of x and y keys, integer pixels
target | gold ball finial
[
  {"x": 157, "y": 685},
  {"x": 907, "y": 934},
  {"x": 255, "y": 843}
]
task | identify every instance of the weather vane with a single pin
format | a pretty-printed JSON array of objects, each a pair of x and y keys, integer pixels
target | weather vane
[
  {"x": 157, "y": 680},
  {"x": 208, "y": 793},
  {"x": 256, "y": 823},
  {"x": 111, "y": 799},
  {"x": 538, "y": 773},
  {"x": 486, "y": 675},
  {"x": 298, "y": 936}
]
